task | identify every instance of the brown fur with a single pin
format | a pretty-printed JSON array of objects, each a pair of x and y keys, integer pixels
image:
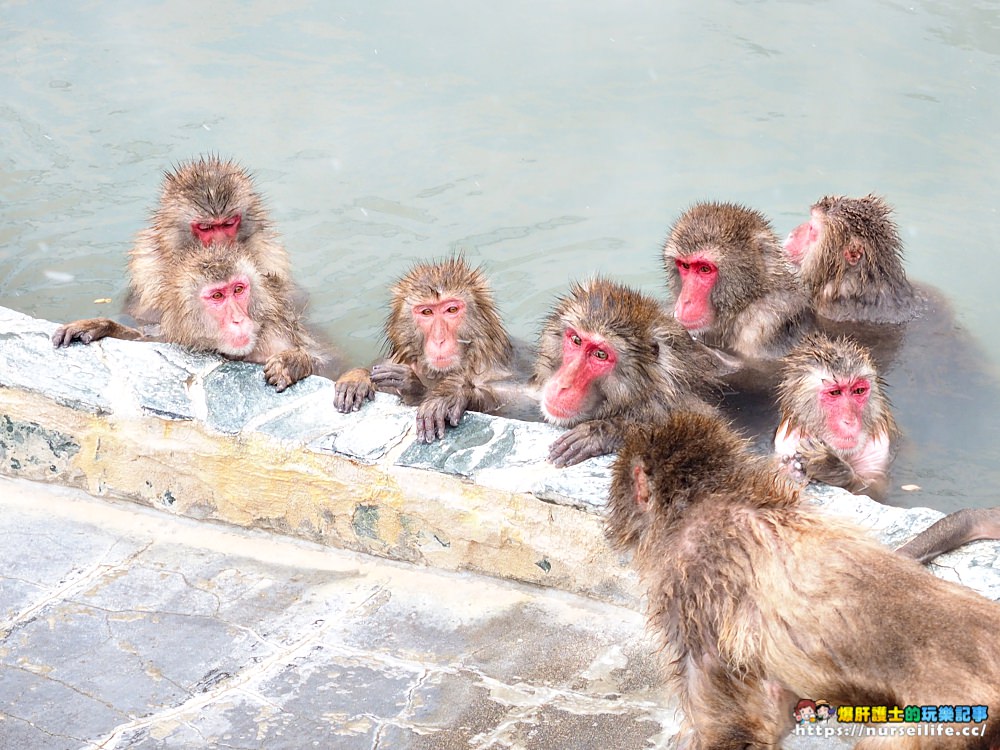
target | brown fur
[
  {"x": 659, "y": 366},
  {"x": 818, "y": 358},
  {"x": 168, "y": 267},
  {"x": 874, "y": 289},
  {"x": 487, "y": 346},
  {"x": 482, "y": 379},
  {"x": 761, "y": 599},
  {"x": 760, "y": 305}
]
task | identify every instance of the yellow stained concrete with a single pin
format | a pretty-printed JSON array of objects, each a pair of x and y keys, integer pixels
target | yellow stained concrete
[{"x": 256, "y": 482}]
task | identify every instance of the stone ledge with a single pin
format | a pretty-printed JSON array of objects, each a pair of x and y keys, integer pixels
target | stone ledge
[{"x": 199, "y": 436}]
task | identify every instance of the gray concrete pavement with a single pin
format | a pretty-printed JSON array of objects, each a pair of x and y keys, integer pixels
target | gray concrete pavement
[{"x": 123, "y": 627}]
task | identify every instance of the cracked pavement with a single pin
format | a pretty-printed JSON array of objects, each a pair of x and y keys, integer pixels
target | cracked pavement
[{"x": 123, "y": 627}]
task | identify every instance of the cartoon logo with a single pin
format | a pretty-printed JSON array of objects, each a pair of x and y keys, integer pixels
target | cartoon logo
[{"x": 805, "y": 711}]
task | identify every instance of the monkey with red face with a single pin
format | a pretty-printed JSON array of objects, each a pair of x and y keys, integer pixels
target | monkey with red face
[
  {"x": 733, "y": 289},
  {"x": 609, "y": 357},
  {"x": 850, "y": 257},
  {"x": 448, "y": 352},
  {"x": 836, "y": 423},
  {"x": 837, "y": 427},
  {"x": 210, "y": 274}
]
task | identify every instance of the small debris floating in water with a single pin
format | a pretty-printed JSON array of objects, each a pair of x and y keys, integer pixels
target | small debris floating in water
[
  {"x": 102, "y": 301},
  {"x": 910, "y": 487}
]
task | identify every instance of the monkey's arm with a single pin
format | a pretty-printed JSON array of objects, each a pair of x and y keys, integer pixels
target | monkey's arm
[
  {"x": 951, "y": 532},
  {"x": 389, "y": 377},
  {"x": 93, "y": 329},
  {"x": 597, "y": 437},
  {"x": 353, "y": 388},
  {"x": 822, "y": 463}
]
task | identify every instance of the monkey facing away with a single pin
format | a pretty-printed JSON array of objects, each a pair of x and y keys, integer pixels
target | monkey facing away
[
  {"x": 609, "y": 356},
  {"x": 850, "y": 257},
  {"x": 210, "y": 273},
  {"x": 761, "y": 599},
  {"x": 733, "y": 289},
  {"x": 448, "y": 351}
]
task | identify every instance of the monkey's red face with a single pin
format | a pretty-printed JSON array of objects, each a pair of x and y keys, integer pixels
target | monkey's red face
[
  {"x": 227, "y": 305},
  {"x": 439, "y": 322},
  {"x": 803, "y": 238},
  {"x": 693, "y": 308},
  {"x": 843, "y": 403},
  {"x": 569, "y": 394},
  {"x": 216, "y": 230}
]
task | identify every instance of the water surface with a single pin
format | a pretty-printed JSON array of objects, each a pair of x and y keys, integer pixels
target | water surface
[{"x": 548, "y": 141}]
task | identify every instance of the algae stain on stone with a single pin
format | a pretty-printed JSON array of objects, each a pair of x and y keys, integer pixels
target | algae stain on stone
[
  {"x": 365, "y": 521},
  {"x": 27, "y": 449}
]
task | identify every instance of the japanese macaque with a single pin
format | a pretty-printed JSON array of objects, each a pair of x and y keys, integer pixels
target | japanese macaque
[
  {"x": 448, "y": 351},
  {"x": 837, "y": 427},
  {"x": 850, "y": 258},
  {"x": 609, "y": 356},
  {"x": 762, "y": 599},
  {"x": 733, "y": 289},
  {"x": 836, "y": 422},
  {"x": 209, "y": 273}
]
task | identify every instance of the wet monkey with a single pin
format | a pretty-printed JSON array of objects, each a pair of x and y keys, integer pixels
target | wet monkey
[
  {"x": 837, "y": 427},
  {"x": 836, "y": 422},
  {"x": 732, "y": 287},
  {"x": 448, "y": 351},
  {"x": 609, "y": 356},
  {"x": 211, "y": 274},
  {"x": 761, "y": 599},
  {"x": 850, "y": 257}
]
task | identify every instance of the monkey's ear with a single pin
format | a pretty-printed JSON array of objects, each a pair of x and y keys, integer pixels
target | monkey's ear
[
  {"x": 640, "y": 486},
  {"x": 854, "y": 251}
]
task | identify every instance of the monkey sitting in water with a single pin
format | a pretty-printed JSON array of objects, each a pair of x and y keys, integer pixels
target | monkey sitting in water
[
  {"x": 837, "y": 427},
  {"x": 761, "y": 599},
  {"x": 448, "y": 352},
  {"x": 210, "y": 273}
]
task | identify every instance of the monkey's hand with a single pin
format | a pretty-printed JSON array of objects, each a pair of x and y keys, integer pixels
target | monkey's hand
[
  {"x": 399, "y": 379},
  {"x": 353, "y": 388},
  {"x": 92, "y": 329},
  {"x": 437, "y": 410},
  {"x": 822, "y": 463},
  {"x": 794, "y": 467},
  {"x": 597, "y": 437},
  {"x": 288, "y": 367}
]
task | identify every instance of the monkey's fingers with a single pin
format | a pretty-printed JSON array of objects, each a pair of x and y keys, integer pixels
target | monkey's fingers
[
  {"x": 456, "y": 412},
  {"x": 352, "y": 389},
  {"x": 352, "y": 396},
  {"x": 84, "y": 331},
  {"x": 572, "y": 447},
  {"x": 287, "y": 368},
  {"x": 431, "y": 418},
  {"x": 396, "y": 377}
]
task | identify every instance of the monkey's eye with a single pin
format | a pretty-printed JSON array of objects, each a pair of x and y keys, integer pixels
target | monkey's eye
[
  {"x": 576, "y": 340},
  {"x": 229, "y": 222},
  {"x": 239, "y": 289},
  {"x": 600, "y": 354},
  {"x": 683, "y": 264},
  {"x": 452, "y": 310},
  {"x": 835, "y": 391},
  {"x": 861, "y": 390},
  {"x": 204, "y": 227},
  {"x": 427, "y": 311},
  {"x": 704, "y": 269},
  {"x": 217, "y": 295}
]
